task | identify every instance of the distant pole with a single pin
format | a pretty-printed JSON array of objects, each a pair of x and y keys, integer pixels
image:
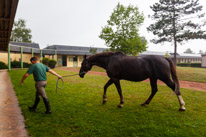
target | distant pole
[
  {"x": 41, "y": 55},
  {"x": 21, "y": 57},
  {"x": 9, "y": 60},
  {"x": 56, "y": 55},
  {"x": 32, "y": 52}
]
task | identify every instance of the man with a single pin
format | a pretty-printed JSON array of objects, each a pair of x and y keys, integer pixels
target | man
[{"x": 39, "y": 73}]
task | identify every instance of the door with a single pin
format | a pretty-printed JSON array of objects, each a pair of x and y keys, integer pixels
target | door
[
  {"x": 64, "y": 60},
  {"x": 75, "y": 61},
  {"x": 59, "y": 61}
]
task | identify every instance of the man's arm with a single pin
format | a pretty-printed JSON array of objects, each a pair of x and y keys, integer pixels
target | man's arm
[
  {"x": 23, "y": 78},
  {"x": 54, "y": 73}
]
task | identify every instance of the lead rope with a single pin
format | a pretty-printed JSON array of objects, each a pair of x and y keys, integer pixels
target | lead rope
[{"x": 57, "y": 87}]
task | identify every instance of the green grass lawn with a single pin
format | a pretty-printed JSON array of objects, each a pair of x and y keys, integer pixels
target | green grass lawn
[
  {"x": 192, "y": 74},
  {"x": 78, "y": 110}
]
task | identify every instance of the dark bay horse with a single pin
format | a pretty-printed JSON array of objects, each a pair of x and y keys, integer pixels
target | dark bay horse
[{"x": 120, "y": 66}]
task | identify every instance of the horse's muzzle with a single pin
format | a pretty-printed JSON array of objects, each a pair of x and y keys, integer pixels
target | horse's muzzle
[{"x": 81, "y": 75}]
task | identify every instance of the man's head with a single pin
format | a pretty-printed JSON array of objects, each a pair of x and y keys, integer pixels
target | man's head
[{"x": 33, "y": 60}]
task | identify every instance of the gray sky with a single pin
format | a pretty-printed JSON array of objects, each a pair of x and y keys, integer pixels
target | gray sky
[{"x": 79, "y": 22}]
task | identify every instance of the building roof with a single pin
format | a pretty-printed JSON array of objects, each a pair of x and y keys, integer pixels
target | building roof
[
  {"x": 186, "y": 55},
  {"x": 29, "y": 45},
  {"x": 178, "y": 55},
  {"x": 152, "y": 53},
  {"x": 73, "y": 50},
  {"x": 7, "y": 14},
  {"x": 68, "y": 47}
]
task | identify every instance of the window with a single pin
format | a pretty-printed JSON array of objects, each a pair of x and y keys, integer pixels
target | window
[
  {"x": 81, "y": 59},
  {"x": 70, "y": 59},
  {"x": 75, "y": 58}
]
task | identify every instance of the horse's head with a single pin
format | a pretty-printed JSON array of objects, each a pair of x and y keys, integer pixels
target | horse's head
[{"x": 85, "y": 67}]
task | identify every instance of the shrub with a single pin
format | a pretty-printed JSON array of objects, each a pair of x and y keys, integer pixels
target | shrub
[
  {"x": 26, "y": 65},
  {"x": 3, "y": 65},
  {"x": 45, "y": 61},
  {"x": 52, "y": 63},
  {"x": 17, "y": 64}
]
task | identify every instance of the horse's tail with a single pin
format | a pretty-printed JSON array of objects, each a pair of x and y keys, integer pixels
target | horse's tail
[{"x": 174, "y": 76}]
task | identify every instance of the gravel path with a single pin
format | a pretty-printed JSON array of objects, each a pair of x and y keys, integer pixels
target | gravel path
[{"x": 11, "y": 120}]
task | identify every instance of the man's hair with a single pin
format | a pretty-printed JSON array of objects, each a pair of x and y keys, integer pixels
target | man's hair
[{"x": 33, "y": 58}]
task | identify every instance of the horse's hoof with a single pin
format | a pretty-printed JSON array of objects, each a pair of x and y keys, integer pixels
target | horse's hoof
[
  {"x": 144, "y": 104},
  {"x": 182, "y": 109},
  {"x": 104, "y": 102},
  {"x": 120, "y": 106}
]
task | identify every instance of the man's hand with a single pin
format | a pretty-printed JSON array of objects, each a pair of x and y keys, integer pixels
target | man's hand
[
  {"x": 54, "y": 73},
  {"x": 23, "y": 78},
  {"x": 60, "y": 77}
]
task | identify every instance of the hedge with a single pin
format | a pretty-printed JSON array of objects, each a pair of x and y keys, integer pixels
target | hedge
[
  {"x": 189, "y": 65},
  {"x": 17, "y": 64},
  {"x": 3, "y": 65}
]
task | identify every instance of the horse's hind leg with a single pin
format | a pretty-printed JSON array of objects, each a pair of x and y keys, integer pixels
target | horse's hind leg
[
  {"x": 117, "y": 84},
  {"x": 105, "y": 90},
  {"x": 153, "y": 83},
  {"x": 177, "y": 92}
]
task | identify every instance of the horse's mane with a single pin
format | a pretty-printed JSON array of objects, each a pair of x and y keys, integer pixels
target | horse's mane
[{"x": 105, "y": 54}]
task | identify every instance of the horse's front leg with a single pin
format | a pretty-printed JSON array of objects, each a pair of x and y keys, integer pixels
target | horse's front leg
[
  {"x": 117, "y": 84},
  {"x": 105, "y": 90}
]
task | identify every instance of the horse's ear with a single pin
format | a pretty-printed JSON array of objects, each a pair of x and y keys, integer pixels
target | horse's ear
[{"x": 85, "y": 56}]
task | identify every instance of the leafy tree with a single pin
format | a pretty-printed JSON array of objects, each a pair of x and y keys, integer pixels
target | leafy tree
[
  {"x": 174, "y": 22},
  {"x": 93, "y": 50},
  {"x": 188, "y": 51},
  {"x": 201, "y": 52},
  {"x": 167, "y": 55},
  {"x": 20, "y": 33},
  {"x": 121, "y": 33}
]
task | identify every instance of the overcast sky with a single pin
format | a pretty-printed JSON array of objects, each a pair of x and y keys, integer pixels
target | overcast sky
[{"x": 79, "y": 22}]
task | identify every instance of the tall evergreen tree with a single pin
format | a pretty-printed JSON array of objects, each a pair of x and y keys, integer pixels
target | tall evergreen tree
[
  {"x": 177, "y": 21},
  {"x": 20, "y": 33}
]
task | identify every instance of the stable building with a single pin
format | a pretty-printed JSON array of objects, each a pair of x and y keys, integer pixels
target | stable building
[
  {"x": 203, "y": 60},
  {"x": 18, "y": 51},
  {"x": 180, "y": 57},
  {"x": 187, "y": 58},
  {"x": 66, "y": 56},
  {"x": 69, "y": 56}
]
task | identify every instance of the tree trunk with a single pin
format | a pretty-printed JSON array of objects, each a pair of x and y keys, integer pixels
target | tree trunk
[
  {"x": 175, "y": 51},
  {"x": 174, "y": 35}
]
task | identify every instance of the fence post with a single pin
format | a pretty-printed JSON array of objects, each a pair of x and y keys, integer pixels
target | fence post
[
  {"x": 9, "y": 60},
  {"x": 21, "y": 57}
]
